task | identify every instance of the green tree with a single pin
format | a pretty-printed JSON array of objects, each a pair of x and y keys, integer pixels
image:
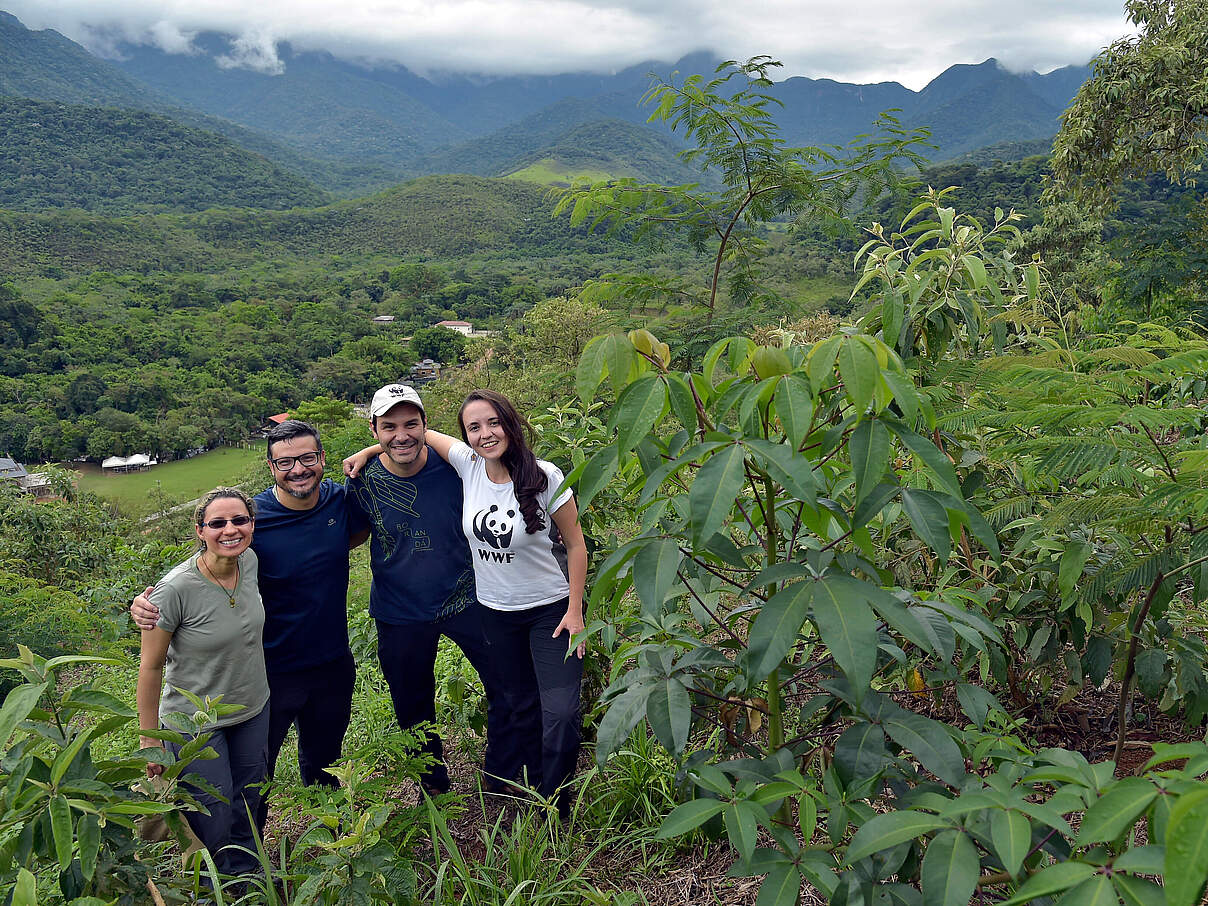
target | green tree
[
  {"x": 439, "y": 343},
  {"x": 729, "y": 123},
  {"x": 1145, "y": 109}
]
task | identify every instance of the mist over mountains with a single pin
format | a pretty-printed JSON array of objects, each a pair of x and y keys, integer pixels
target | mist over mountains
[{"x": 352, "y": 128}]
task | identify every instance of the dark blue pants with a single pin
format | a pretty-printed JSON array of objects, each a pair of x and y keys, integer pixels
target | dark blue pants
[
  {"x": 407, "y": 653},
  {"x": 318, "y": 700},
  {"x": 541, "y": 727},
  {"x": 236, "y": 773}
]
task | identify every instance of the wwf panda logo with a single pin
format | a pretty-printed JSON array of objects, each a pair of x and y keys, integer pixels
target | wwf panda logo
[{"x": 494, "y": 527}]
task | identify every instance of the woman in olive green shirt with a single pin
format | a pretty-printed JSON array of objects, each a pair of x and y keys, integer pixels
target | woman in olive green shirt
[{"x": 208, "y": 641}]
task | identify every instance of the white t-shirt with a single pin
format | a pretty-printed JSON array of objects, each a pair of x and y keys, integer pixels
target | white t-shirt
[{"x": 513, "y": 569}]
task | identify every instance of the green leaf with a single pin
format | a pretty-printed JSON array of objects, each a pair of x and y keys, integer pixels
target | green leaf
[
  {"x": 669, "y": 711},
  {"x": 1048, "y": 881},
  {"x": 65, "y": 758},
  {"x": 717, "y": 486},
  {"x": 820, "y": 360},
  {"x": 655, "y": 571},
  {"x": 25, "y": 891},
  {"x": 950, "y": 870},
  {"x": 100, "y": 702},
  {"x": 795, "y": 407},
  {"x": 860, "y": 752},
  {"x": 869, "y": 449},
  {"x": 590, "y": 370},
  {"x": 688, "y": 817},
  {"x": 977, "y": 703},
  {"x": 61, "y": 827},
  {"x": 683, "y": 405},
  {"x": 776, "y": 627},
  {"x": 859, "y": 370},
  {"x": 88, "y": 832},
  {"x": 1138, "y": 891},
  {"x": 1011, "y": 834},
  {"x": 847, "y": 626},
  {"x": 1187, "y": 849},
  {"x": 785, "y": 465},
  {"x": 976, "y": 269},
  {"x": 781, "y": 886},
  {"x": 881, "y": 832},
  {"x": 1142, "y": 860},
  {"x": 1151, "y": 672},
  {"x": 1098, "y": 891},
  {"x": 1116, "y": 810},
  {"x": 872, "y": 504},
  {"x": 638, "y": 408},
  {"x": 17, "y": 705},
  {"x": 618, "y": 721},
  {"x": 1073, "y": 559},
  {"x": 929, "y": 742},
  {"x": 619, "y": 357},
  {"x": 935, "y": 461},
  {"x": 929, "y": 518},
  {"x": 597, "y": 473},
  {"x": 742, "y": 827}
]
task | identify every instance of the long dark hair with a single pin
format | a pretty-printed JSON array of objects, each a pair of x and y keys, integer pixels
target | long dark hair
[{"x": 527, "y": 478}]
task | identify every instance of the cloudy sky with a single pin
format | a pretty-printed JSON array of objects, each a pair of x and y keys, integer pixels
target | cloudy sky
[{"x": 860, "y": 41}]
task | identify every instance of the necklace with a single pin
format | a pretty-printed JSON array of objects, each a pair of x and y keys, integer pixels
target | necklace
[{"x": 229, "y": 592}]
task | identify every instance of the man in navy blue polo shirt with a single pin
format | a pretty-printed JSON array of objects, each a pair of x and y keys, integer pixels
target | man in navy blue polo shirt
[{"x": 304, "y": 530}]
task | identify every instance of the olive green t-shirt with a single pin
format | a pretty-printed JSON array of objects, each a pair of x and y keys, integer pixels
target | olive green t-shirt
[{"x": 216, "y": 649}]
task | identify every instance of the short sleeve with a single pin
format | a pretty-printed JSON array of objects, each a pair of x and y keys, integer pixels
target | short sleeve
[
  {"x": 171, "y": 612},
  {"x": 555, "y": 476},
  {"x": 461, "y": 458},
  {"x": 357, "y": 520}
]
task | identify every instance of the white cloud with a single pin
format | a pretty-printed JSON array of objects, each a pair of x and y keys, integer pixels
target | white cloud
[{"x": 876, "y": 40}]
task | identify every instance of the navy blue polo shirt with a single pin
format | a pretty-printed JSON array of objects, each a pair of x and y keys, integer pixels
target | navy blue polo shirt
[
  {"x": 304, "y": 577},
  {"x": 421, "y": 563}
]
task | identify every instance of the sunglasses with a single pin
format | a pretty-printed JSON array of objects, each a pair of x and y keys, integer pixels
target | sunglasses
[{"x": 217, "y": 524}]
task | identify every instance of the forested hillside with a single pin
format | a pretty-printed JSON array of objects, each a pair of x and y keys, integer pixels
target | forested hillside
[{"x": 122, "y": 161}]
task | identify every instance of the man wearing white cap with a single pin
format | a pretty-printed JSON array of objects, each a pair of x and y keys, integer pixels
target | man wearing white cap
[{"x": 423, "y": 580}]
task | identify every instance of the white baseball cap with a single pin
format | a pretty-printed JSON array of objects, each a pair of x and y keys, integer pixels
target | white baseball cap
[{"x": 390, "y": 396}]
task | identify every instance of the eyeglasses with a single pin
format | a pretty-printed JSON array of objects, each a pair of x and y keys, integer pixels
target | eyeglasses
[
  {"x": 285, "y": 463},
  {"x": 218, "y": 524}
]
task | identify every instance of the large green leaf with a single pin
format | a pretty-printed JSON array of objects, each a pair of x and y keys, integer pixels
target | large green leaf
[
  {"x": 859, "y": 370},
  {"x": 618, "y": 721},
  {"x": 655, "y": 570},
  {"x": 1116, "y": 810},
  {"x": 795, "y": 406},
  {"x": 880, "y": 832},
  {"x": 1097, "y": 891},
  {"x": 100, "y": 702},
  {"x": 688, "y": 817},
  {"x": 1138, "y": 891},
  {"x": 61, "y": 829},
  {"x": 869, "y": 449},
  {"x": 638, "y": 408},
  {"x": 929, "y": 518},
  {"x": 950, "y": 870},
  {"x": 1051, "y": 880},
  {"x": 935, "y": 461},
  {"x": 590, "y": 370},
  {"x": 25, "y": 891},
  {"x": 929, "y": 742},
  {"x": 88, "y": 832},
  {"x": 17, "y": 705},
  {"x": 789, "y": 468},
  {"x": 1011, "y": 834},
  {"x": 1187, "y": 849},
  {"x": 669, "y": 710},
  {"x": 620, "y": 358},
  {"x": 847, "y": 626},
  {"x": 742, "y": 826},
  {"x": 597, "y": 473},
  {"x": 1073, "y": 559},
  {"x": 781, "y": 886},
  {"x": 683, "y": 405},
  {"x": 860, "y": 752},
  {"x": 776, "y": 628},
  {"x": 716, "y": 487}
]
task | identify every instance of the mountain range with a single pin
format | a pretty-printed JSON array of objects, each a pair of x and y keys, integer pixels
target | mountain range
[{"x": 350, "y": 128}]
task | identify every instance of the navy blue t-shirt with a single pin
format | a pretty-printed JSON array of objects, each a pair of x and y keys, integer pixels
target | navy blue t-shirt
[
  {"x": 421, "y": 563},
  {"x": 304, "y": 577}
]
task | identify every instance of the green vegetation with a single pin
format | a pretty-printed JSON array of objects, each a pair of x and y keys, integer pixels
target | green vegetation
[{"x": 122, "y": 161}]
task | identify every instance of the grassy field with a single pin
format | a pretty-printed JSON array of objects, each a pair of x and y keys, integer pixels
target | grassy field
[
  {"x": 142, "y": 493},
  {"x": 549, "y": 172}
]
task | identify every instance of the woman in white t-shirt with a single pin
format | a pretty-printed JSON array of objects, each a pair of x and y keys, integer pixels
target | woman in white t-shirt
[{"x": 530, "y": 566}]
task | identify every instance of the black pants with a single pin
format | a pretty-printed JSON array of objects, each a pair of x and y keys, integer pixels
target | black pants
[
  {"x": 540, "y": 729},
  {"x": 318, "y": 700},
  {"x": 237, "y": 773},
  {"x": 408, "y": 656}
]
